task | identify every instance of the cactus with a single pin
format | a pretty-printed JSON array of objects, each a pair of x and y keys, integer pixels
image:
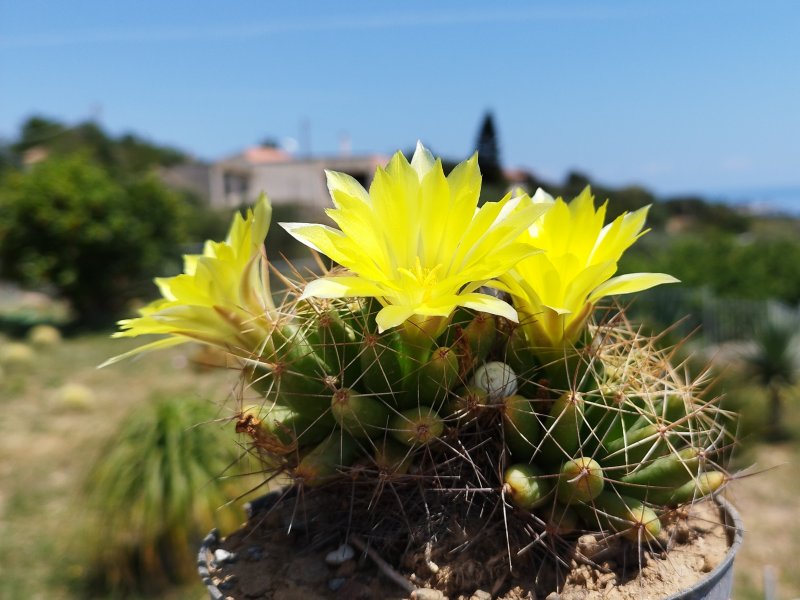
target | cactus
[
  {"x": 618, "y": 455},
  {"x": 399, "y": 370}
]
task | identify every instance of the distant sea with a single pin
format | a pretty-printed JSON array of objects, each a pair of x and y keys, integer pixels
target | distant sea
[{"x": 766, "y": 200}]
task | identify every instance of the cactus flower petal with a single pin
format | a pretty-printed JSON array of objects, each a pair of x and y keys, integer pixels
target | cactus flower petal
[
  {"x": 630, "y": 283},
  {"x": 555, "y": 291},
  {"x": 417, "y": 241},
  {"x": 222, "y": 298}
]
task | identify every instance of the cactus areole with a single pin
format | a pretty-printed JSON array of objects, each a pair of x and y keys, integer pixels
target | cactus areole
[{"x": 390, "y": 378}]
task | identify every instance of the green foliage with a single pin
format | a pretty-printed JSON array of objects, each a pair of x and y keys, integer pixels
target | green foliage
[
  {"x": 732, "y": 266},
  {"x": 66, "y": 223},
  {"x": 6, "y": 157},
  {"x": 122, "y": 157},
  {"x": 201, "y": 221},
  {"x": 705, "y": 215},
  {"x": 155, "y": 492},
  {"x": 774, "y": 362},
  {"x": 774, "y": 359}
]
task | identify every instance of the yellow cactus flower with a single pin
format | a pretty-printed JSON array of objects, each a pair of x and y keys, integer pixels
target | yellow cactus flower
[
  {"x": 556, "y": 291},
  {"x": 222, "y": 298},
  {"x": 417, "y": 241}
]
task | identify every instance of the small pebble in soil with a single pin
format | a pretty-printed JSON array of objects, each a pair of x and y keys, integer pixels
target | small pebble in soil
[
  {"x": 222, "y": 556},
  {"x": 254, "y": 553},
  {"x": 212, "y": 538},
  {"x": 588, "y": 546},
  {"x": 427, "y": 594},
  {"x": 553, "y": 596},
  {"x": 481, "y": 595},
  {"x": 336, "y": 583},
  {"x": 342, "y": 554},
  {"x": 228, "y": 583},
  {"x": 215, "y": 593}
]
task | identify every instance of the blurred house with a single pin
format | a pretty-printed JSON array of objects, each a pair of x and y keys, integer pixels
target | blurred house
[{"x": 287, "y": 180}]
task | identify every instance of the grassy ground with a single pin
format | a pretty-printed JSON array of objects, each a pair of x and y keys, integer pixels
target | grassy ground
[
  {"x": 46, "y": 446},
  {"x": 768, "y": 500}
]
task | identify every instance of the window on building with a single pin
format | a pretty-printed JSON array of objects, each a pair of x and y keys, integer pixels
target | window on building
[
  {"x": 236, "y": 183},
  {"x": 236, "y": 186}
]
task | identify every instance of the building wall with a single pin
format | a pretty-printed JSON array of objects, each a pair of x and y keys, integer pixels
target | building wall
[{"x": 234, "y": 182}]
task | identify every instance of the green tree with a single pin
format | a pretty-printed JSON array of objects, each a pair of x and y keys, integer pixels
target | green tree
[
  {"x": 67, "y": 224},
  {"x": 6, "y": 157},
  {"x": 488, "y": 149},
  {"x": 38, "y": 131},
  {"x": 123, "y": 157}
]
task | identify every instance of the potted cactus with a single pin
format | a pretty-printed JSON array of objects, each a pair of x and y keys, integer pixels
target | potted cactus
[{"x": 450, "y": 387}]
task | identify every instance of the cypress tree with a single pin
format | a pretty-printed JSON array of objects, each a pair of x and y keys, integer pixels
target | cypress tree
[{"x": 489, "y": 150}]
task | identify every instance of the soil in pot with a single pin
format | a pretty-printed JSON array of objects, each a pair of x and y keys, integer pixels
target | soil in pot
[{"x": 287, "y": 551}]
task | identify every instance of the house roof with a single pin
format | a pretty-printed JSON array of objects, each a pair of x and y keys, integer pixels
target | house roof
[{"x": 260, "y": 154}]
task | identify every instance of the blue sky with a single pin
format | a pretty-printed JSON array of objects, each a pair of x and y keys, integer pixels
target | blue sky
[{"x": 678, "y": 96}]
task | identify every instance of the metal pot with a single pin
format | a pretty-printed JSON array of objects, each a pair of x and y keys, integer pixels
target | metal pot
[{"x": 717, "y": 585}]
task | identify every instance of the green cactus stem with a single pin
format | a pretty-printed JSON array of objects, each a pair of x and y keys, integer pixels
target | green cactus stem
[
  {"x": 360, "y": 415},
  {"x": 612, "y": 415},
  {"x": 561, "y": 520},
  {"x": 380, "y": 364},
  {"x": 635, "y": 446},
  {"x": 438, "y": 376},
  {"x": 480, "y": 336},
  {"x": 466, "y": 403},
  {"x": 416, "y": 426},
  {"x": 703, "y": 485},
  {"x": 279, "y": 430},
  {"x": 521, "y": 429},
  {"x": 295, "y": 375},
  {"x": 527, "y": 485},
  {"x": 561, "y": 438},
  {"x": 567, "y": 368},
  {"x": 628, "y": 516},
  {"x": 519, "y": 355},
  {"x": 669, "y": 472},
  {"x": 671, "y": 410},
  {"x": 392, "y": 457},
  {"x": 580, "y": 480},
  {"x": 325, "y": 461},
  {"x": 334, "y": 341}
]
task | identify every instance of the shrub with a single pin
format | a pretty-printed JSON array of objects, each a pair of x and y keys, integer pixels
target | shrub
[
  {"x": 44, "y": 336},
  {"x": 65, "y": 223},
  {"x": 156, "y": 490}
]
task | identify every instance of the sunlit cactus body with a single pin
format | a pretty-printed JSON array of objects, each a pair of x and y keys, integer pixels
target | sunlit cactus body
[
  {"x": 632, "y": 445},
  {"x": 617, "y": 455}
]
